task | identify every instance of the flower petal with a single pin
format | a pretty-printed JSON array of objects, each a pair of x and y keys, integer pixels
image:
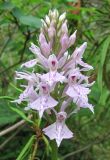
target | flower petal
[
  {"x": 58, "y": 132},
  {"x": 85, "y": 65},
  {"x": 72, "y": 92},
  {"x": 52, "y": 77},
  {"x": 50, "y": 131},
  {"x": 37, "y": 52},
  {"x": 30, "y": 63},
  {"x": 43, "y": 103},
  {"x": 62, "y": 60},
  {"x": 72, "y": 38}
]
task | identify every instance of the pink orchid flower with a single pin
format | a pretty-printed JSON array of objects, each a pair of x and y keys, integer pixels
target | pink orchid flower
[
  {"x": 58, "y": 130},
  {"x": 77, "y": 90},
  {"x": 44, "y": 100},
  {"x": 76, "y": 59},
  {"x": 53, "y": 75}
]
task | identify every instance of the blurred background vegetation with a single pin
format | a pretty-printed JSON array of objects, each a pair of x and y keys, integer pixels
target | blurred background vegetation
[{"x": 20, "y": 25}]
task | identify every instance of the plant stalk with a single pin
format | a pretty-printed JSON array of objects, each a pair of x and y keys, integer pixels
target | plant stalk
[
  {"x": 34, "y": 151},
  {"x": 54, "y": 153}
]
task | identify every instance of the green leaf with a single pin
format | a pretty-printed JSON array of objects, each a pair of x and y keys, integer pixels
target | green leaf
[
  {"x": 17, "y": 12},
  {"x": 103, "y": 53},
  {"x": 54, "y": 152},
  {"x": 6, "y": 6},
  {"x": 6, "y": 97},
  {"x": 26, "y": 148},
  {"x": 99, "y": 78},
  {"x": 21, "y": 114},
  {"x": 31, "y": 21},
  {"x": 18, "y": 89},
  {"x": 6, "y": 115},
  {"x": 74, "y": 1},
  {"x": 104, "y": 50},
  {"x": 48, "y": 147},
  {"x": 103, "y": 98}
]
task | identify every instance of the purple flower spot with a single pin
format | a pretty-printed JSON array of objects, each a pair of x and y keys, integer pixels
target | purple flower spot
[{"x": 53, "y": 63}]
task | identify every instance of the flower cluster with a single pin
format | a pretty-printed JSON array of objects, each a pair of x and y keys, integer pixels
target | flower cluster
[{"x": 62, "y": 82}]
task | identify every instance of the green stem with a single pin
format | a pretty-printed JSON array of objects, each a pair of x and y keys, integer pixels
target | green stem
[
  {"x": 54, "y": 154},
  {"x": 34, "y": 151}
]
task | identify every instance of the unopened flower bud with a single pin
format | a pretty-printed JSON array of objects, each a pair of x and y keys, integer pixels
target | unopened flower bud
[
  {"x": 47, "y": 20},
  {"x": 50, "y": 13},
  {"x": 64, "y": 42},
  {"x": 64, "y": 28},
  {"x": 72, "y": 38},
  {"x": 59, "y": 33},
  {"x": 45, "y": 48},
  {"x": 51, "y": 32},
  {"x": 43, "y": 23},
  {"x": 62, "y": 17},
  {"x": 82, "y": 48},
  {"x": 55, "y": 14},
  {"x": 42, "y": 38}
]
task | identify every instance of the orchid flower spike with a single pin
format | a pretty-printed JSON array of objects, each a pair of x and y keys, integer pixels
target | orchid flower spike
[{"x": 61, "y": 80}]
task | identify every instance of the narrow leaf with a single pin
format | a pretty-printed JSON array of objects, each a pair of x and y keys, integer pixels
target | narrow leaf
[
  {"x": 7, "y": 116},
  {"x": 26, "y": 148},
  {"x": 6, "y": 97},
  {"x": 104, "y": 50},
  {"x": 21, "y": 114},
  {"x": 48, "y": 147},
  {"x": 103, "y": 54},
  {"x": 15, "y": 87}
]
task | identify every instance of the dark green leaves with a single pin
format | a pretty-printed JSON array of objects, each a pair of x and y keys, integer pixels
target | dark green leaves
[
  {"x": 6, "y": 115},
  {"x": 21, "y": 113},
  {"x": 17, "y": 12},
  {"x": 27, "y": 20},
  {"x": 26, "y": 149},
  {"x": 6, "y": 6},
  {"x": 23, "y": 19},
  {"x": 30, "y": 20}
]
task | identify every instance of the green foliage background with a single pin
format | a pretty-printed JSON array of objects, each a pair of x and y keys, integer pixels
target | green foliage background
[{"x": 20, "y": 25}]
